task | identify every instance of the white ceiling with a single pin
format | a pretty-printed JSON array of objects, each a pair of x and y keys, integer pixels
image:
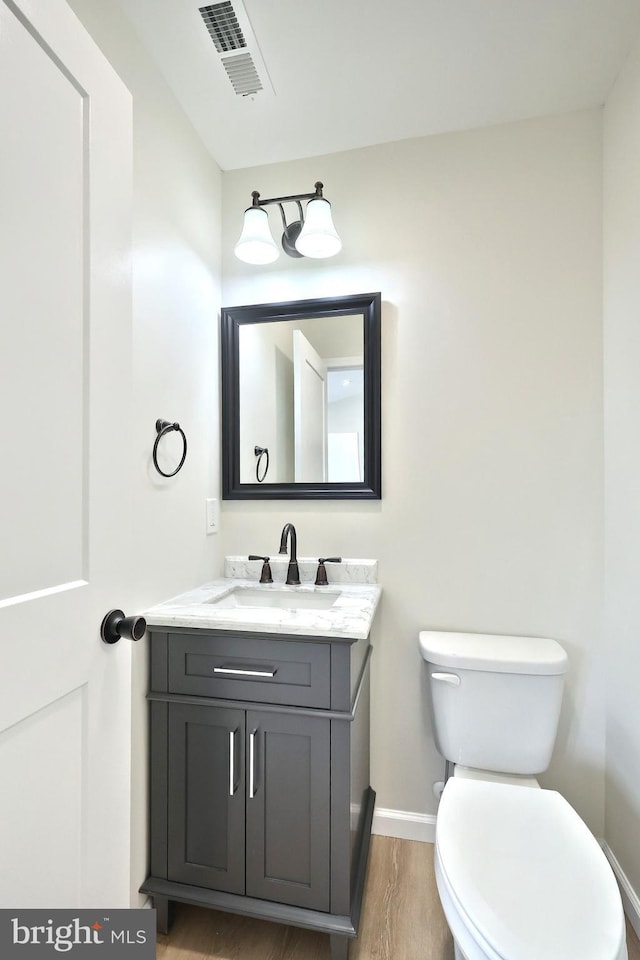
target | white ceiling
[{"x": 351, "y": 73}]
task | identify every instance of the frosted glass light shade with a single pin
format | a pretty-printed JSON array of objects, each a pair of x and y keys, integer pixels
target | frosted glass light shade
[
  {"x": 318, "y": 237},
  {"x": 256, "y": 245}
]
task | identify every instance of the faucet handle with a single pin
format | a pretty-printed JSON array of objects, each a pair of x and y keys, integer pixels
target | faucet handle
[
  {"x": 265, "y": 575},
  {"x": 321, "y": 575}
]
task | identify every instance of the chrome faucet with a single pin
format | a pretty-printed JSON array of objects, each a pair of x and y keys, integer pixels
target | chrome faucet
[{"x": 293, "y": 574}]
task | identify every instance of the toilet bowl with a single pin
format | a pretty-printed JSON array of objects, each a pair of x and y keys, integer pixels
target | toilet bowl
[{"x": 519, "y": 875}]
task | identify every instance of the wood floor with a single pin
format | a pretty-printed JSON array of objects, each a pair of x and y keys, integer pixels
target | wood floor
[{"x": 401, "y": 920}]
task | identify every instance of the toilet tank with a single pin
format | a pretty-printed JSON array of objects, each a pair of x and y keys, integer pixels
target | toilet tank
[{"x": 495, "y": 699}]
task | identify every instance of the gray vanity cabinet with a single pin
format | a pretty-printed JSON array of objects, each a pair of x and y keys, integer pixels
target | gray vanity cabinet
[
  {"x": 260, "y": 796},
  {"x": 249, "y": 788}
]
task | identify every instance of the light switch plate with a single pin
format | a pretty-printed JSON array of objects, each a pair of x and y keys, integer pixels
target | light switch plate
[{"x": 212, "y": 515}]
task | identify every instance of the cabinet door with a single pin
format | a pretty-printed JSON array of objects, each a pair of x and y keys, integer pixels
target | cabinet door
[
  {"x": 206, "y": 797},
  {"x": 288, "y": 787}
]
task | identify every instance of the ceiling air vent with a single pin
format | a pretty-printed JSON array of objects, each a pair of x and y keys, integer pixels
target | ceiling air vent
[
  {"x": 221, "y": 22},
  {"x": 230, "y": 31},
  {"x": 243, "y": 74}
]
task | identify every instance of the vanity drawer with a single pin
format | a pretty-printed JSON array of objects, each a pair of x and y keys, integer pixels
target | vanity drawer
[{"x": 296, "y": 673}]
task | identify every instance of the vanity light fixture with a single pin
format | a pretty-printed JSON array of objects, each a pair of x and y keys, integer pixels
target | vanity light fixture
[{"x": 312, "y": 235}]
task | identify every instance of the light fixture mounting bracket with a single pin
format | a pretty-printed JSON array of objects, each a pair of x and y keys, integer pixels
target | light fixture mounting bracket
[
  {"x": 317, "y": 194},
  {"x": 290, "y": 231}
]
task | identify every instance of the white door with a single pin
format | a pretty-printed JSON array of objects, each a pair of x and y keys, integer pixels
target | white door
[
  {"x": 65, "y": 201},
  {"x": 309, "y": 412}
]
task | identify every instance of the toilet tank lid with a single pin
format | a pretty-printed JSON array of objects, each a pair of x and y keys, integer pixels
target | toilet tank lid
[{"x": 492, "y": 652}]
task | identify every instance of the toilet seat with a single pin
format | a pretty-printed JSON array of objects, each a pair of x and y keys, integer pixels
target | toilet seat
[{"x": 520, "y": 876}]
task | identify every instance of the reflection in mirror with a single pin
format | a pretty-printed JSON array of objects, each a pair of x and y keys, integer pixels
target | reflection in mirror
[{"x": 301, "y": 399}]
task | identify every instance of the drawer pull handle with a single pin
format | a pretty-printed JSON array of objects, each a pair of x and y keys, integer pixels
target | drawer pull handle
[
  {"x": 232, "y": 762},
  {"x": 257, "y": 671},
  {"x": 252, "y": 764}
]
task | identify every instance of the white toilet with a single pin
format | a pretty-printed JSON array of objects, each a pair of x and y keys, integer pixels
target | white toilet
[{"x": 520, "y": 876}]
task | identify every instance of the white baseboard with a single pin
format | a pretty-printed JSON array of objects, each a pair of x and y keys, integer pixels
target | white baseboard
[
  {"x": 630, "y": 899},
  {"x": 404, "y": 825}
]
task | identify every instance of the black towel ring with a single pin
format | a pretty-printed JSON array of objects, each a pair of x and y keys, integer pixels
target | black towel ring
[
  {"x": 261, "y": 452},
  {"x": 163, "y": 427}
]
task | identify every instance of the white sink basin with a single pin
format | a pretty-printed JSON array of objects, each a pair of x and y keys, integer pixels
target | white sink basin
[{"x": 282, "y": 598}]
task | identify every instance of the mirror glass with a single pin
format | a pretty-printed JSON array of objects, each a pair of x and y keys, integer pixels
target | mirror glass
[{"x": 301, "y": 399}]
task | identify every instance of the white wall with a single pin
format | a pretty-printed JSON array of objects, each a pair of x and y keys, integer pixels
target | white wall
[
  {"x": 622, "y": 465},
  {"x": 486, "y": 247},
  {"x": 176, "y": 299}
]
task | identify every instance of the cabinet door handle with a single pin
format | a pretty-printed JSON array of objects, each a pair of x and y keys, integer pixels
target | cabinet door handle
[
  {"x": 256, "y": 671},
  {"x": 232, "y": 762},
  {"x": 252, "y": 764}
]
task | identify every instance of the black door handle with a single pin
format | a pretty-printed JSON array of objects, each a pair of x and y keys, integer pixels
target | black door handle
[{"x": 115, "y": 625}]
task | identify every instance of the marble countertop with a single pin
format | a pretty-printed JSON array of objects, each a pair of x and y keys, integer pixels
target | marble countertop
[{"x": 350, "y": 617}]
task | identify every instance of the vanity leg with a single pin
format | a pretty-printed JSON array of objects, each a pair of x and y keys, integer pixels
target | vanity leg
[
  {"x": 164, "y": 913},
  {"x": 339, "y": 946}
]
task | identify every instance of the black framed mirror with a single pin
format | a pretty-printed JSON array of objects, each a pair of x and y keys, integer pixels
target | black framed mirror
[{"x": 301, "y": 399}]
